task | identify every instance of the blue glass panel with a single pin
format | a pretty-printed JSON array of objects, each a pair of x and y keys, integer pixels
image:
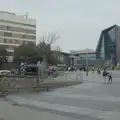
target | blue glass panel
[
  {"x": 112, "y": 34},
  {"x": 102, "y": 51}
]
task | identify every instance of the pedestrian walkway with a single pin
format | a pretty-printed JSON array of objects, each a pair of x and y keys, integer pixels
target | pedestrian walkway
[
  {"x": 91, "y": 100},
  {"x": 10, "y": 112}
]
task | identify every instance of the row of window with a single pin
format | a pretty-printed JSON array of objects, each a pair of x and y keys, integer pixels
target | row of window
[
  {"x": 79, "y": 61},
  {"x": 102, "y": 54},
  {"x": 17, "y": 29},
  {"x": 11, "y": 41},
  {"x": 16, "y": 35},
  {"x": 10, "y": 47},
  {"x": 89, "y": 56}
]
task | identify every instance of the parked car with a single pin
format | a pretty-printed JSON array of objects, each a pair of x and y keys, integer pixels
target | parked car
[
  {"x": 30, "y": 69},
  {"x": 71, "y": 69},
  {"x": 5, "y": 72},
  {"x": 15, "y": 71},
  {"x": 82, "y": 68}
]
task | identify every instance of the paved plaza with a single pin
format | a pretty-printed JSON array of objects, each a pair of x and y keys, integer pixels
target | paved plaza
[{"x": 92, "y": 100}]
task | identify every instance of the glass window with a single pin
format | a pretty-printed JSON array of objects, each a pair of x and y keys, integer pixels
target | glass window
[
  {"x": 2, "y": 27},
  {"x": 102, "y": 50},
  {"x": 5, "y": 40},
  {"x": 9, "y": 41},
  {"x": 112, "y": 34},
  {"x": 7, "y": 27},
  {"x": 7, "y": 34},
  {"x": 1, "y": 40}
]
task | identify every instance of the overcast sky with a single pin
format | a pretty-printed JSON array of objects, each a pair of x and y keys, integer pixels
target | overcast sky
[{"x": 79, "y": 22}]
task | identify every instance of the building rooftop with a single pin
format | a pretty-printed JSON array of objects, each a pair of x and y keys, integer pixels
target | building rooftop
[
  {"x": 82, "y": 51},
  {"x": 18, "y": 18},
  {"x": 6, "y": 12},
  {"x": 14, "y": 14}
]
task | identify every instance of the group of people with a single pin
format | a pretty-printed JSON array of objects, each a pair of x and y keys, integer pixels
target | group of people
[
  {"x": 105, "y": 74},
  {"x": 98, "y": 70}
]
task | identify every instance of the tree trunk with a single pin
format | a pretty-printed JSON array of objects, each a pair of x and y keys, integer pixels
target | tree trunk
[{"x": 45, "y": 62}]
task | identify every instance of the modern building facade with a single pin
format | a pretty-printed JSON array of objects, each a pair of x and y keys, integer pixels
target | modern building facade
[
  {"x": 82, "y": 55},
  {"x": 108, "y": 47},
  {"x": 16, "y": 29},
  {"x": 64, "y": 57}
]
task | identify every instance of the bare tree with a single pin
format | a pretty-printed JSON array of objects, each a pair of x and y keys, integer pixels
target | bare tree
[
  {"x": 57, "y": 52},
  {"x": 45, "y": 45}
]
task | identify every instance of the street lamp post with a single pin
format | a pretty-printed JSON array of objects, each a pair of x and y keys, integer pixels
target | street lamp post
[
  {"x": 86, "y": 59},
  {"x": 86, "y": 64}
]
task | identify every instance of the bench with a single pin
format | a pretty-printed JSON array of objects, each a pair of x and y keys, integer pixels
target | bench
[
  {"x": 79, "y": 76},
  {"x": 47, "y": 87},
  {"x": 20, "y": 87}
]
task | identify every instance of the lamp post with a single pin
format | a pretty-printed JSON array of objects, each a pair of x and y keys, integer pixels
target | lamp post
[
  {"x": 86, "y": 59},
  {"x": 86, "y": 64}
]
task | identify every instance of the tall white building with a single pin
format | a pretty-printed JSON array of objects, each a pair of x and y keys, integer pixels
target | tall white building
[{"x": 16, "y": 29}]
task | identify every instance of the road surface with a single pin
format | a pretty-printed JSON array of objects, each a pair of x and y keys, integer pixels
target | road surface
[{"x": 92, "y": 100}]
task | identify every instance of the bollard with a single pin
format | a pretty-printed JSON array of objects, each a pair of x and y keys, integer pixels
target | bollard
[
  {"x": 76, "y": 77},
  {"x": 86, "y": 73},
  {"x": 81, "y": 76},
  {"x": 66, "y": 76}
]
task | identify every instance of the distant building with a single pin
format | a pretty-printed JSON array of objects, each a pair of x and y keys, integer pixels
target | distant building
[
  {"x": 64, "y": 57},
  {"x": 108, "y": 47},
  {"x": 16, "y": 29},
  {"x": 77, "y": 56},
  {"x": 107, "y": 51}
]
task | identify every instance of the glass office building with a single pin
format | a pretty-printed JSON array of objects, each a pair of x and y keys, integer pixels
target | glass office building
[{"x": 108, "y": 47}]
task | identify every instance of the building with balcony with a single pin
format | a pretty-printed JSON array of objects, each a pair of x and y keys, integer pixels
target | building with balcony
[
  {"x": 16, "y": 29},
  {"x": 108, "y": 47}
]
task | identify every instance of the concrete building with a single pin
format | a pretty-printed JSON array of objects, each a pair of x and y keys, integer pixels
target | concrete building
[
  {"x": 16, "y": 29},
  {"x": 108, "y": 47}
]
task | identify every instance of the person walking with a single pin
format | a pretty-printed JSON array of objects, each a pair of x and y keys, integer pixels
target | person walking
[
  {"x": 98, "y": 71},
  {"x": 110, "y": 77},
  {"x": 38, "y": 71},
  {"x": 104, "y": 74},
  {"x": 22, "y": 69},
  {"x": 93, "y": 69}
]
